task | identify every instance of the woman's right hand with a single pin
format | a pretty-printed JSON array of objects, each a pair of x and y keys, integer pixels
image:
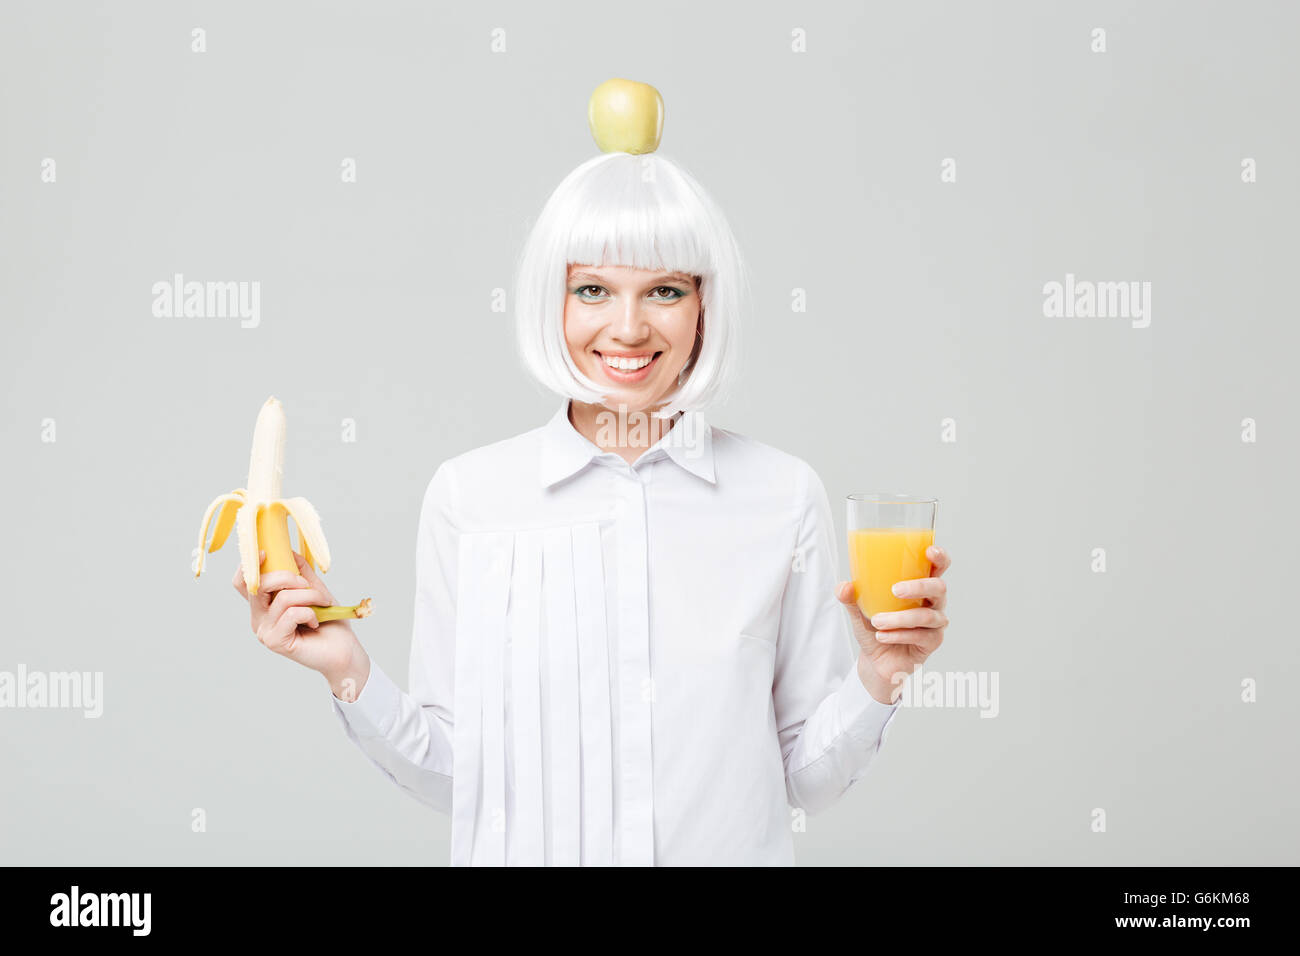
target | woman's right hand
[{"x": 281, "y": 616}]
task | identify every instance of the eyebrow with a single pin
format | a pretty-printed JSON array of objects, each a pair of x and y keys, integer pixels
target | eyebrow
[{"x": 656, "y": 280}]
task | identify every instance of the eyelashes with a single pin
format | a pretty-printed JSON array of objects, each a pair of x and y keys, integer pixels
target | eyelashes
[{"x": 583, "y": 293}]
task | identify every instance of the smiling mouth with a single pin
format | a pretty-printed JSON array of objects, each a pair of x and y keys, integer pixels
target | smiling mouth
[
  {"x": 628, "y": 368},
  {"x": 628, "y": 363}
]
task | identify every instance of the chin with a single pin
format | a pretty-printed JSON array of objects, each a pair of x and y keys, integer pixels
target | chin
[
  {"x": 631, "y": 402},
  {"x": 633, "y": 396}
]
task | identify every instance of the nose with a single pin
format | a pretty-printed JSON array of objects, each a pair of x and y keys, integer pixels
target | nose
[{"x": 630, "y": 327}]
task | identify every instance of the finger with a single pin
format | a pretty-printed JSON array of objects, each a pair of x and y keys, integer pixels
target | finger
[
  {"x": 935, "y": 590},
  {"x": 305, "y": 569},
  {"x": 272, "y": 581},
  {"x": 276, "y": 580},
  {"x": 925, "y": 638},
  {"x": 912, "y": 617},
  {"x": 279, "y": 635},
  {"x": 295, "y": 597},
  {"x": 939, "y": 558},
  {"x": 847, "y": 594},
  {"x": 307, "y": 572}
]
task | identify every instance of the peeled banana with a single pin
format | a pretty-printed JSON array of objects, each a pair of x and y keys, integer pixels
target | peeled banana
[{"x": 261, "y": 517}]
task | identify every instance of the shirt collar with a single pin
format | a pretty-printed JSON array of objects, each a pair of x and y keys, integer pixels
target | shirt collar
[{"x": 565, "y": 452}]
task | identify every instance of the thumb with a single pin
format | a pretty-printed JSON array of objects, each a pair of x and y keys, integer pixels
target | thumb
[
  {"x": 309, "y": 574},
  {"x": 847, "y": 594}
]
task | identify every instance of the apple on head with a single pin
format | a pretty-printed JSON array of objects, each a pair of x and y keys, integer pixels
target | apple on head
[{"x": 626, "y": 116}]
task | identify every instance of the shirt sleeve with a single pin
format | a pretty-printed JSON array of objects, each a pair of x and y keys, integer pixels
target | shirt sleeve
[
  {"x": 829, "y": 726},
  {"x": 408, "y": 737}
]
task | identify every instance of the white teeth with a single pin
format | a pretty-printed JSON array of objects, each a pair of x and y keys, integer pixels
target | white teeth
[{"x": 627, "y": 364}]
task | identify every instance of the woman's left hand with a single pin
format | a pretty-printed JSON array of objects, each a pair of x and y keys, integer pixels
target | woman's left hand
[{"x": 893, "y": 643}]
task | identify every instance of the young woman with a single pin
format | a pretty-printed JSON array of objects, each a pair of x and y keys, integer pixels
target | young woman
[{"x": 629, "y": 645}]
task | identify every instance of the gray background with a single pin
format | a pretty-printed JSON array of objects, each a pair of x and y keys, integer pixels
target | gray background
[{"x": 1118, "y": 690}]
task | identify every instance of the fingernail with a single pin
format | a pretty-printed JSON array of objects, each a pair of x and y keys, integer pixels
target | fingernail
[
  {"x": 898, "y": 589},
  {"x": 882, "y": 636}
]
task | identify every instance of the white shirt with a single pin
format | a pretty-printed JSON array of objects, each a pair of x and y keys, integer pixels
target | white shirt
[{"x": 624, "y": 664}]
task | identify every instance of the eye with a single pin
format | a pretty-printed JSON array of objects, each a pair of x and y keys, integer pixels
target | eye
[
  {"x": 584, "y": 291},
  {"x": 672, "y": 293}
]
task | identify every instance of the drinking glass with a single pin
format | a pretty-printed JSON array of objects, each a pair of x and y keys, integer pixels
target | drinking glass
[{"x": 888, "y": 535}]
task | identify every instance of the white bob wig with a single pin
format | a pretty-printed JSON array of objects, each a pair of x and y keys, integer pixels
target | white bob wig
[{"x": 644, "y": 212}]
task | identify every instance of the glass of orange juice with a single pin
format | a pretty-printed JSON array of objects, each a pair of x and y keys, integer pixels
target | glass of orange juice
[{"x": 888, "y": 535}]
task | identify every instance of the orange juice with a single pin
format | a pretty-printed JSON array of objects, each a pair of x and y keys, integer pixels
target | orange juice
[{"x": 880, "y": 557}]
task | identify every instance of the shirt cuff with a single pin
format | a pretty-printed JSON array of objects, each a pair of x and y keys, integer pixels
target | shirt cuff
[
  {"x": 375, "y": 710},
  {"x": 861, "y": 715}
]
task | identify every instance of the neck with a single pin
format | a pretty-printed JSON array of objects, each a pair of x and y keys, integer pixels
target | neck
[{"x": 626, "y": 432}]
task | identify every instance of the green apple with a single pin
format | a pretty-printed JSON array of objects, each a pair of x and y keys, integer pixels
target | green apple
[{"x": 626, "y": 116}]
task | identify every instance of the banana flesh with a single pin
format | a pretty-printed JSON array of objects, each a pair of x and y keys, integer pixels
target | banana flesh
[{"x": 260, "y": 516}]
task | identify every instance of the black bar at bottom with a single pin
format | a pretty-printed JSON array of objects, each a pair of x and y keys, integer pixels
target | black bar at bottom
[{"x": 334, "y": 904}]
